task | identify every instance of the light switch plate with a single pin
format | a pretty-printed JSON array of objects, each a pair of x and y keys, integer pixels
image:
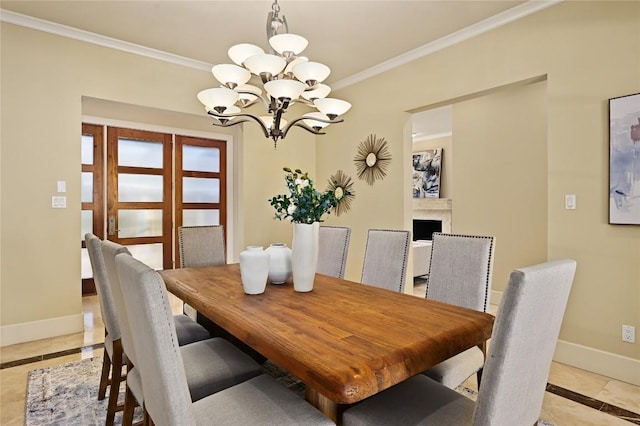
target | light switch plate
[
  {"x": 59, "y": 202},
  {"x": 62, "y": 186},
  {"x": 570, "y": 201}
]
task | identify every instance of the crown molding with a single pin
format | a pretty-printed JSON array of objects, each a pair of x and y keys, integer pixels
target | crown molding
[
  {"x": 503, "y": 18},
  {"x": 515, "y": 13},
  {"x": 100, "y": 40}
]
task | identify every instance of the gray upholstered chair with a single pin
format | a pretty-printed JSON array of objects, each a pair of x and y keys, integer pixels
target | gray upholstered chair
[
  {"x": 200, "y": 246},
  {"x": 260, "y": 400},
  {"x": 113, "y": 356},
  {"x": 333, "y": 248},
  {"x": 515, "y": 374},
  {"x": 211, "y": 363},
  {"x": 385, "y": 258},
  {"x": 460, "y": 274}
]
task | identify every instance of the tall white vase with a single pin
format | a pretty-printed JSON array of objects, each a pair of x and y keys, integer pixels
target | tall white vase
[{"x": 304, "y": 255}]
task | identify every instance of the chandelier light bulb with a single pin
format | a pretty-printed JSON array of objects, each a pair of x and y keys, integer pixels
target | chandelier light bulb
[
  {"x": 313, "y": 72},
  {"x": 248, "y": 94},
  {"x": 315, "y": 123},
  {"x": 290, "y": 43},
  {"x": 299, "y": 60},
  {"x": 230, "y": 75},
  {"x": 321, "y": 91},
  {"x": 218, "y": 98},
  {"x": 332, "y": 107},
  {"x": 284, "y": 89},
  {"x": 240, "y": 52},
  {"x": 268, "y": 121},
  {"x": 265, "y": 64}
]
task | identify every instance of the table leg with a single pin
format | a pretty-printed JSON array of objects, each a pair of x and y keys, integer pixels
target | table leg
[{"x": 328, "y": 407}]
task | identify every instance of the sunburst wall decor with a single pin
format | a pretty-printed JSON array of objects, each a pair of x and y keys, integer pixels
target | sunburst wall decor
[
  {"x": 372, "y": 159},
  {"x": 342, "y": 187}
]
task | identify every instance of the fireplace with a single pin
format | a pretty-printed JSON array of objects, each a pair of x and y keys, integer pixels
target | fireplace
[
  {"x": 432, "y": 209},
  {"x": 424, "y": 228}
]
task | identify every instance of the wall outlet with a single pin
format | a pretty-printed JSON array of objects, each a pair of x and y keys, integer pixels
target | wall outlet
[{"x": 628, "y": 333}]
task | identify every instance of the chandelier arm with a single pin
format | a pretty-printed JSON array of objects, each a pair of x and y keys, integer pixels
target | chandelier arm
[
  {"x": 262, "y": 98},
  {"x": 298, "y": 122},
  {"x": 240, "y": 114},
  {"x": 304, "y": 126}
]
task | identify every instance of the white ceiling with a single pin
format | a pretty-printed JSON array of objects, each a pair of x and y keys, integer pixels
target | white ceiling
[{"x": 356, "y": 38}]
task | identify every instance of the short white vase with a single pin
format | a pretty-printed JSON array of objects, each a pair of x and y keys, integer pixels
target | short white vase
[
  {"x": 279, "y": 263},
  {"x": 254, "y": 269},
  {"x": 304, "y": 255}
]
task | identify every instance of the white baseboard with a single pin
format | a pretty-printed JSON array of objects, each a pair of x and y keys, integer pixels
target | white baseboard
[
  {"x": 615, "y": 366},
  {"x": 607, "y": 364},
  {"x": 43, "y": 329},
  {"x": 495, "y": 297}
]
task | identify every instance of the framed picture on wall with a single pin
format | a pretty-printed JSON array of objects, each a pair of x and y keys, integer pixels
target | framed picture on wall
[
  {"x": 624, "y": 160},
  {"x": 426, "y": 173}
]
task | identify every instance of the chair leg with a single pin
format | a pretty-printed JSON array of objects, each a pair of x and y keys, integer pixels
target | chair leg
[
  {"x": 104, "y": 377},
  {"x": 482, "y": 347},
  {"x": 129, "y": 407},
  {"x": 147, "y": 421},
  {"x": 116, "y": 379},
  {"x": 130, "y": 402}
]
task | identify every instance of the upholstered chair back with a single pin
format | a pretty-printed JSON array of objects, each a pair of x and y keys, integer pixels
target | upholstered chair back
[
  {"x": 167, "y": 397},
  {"x": 109, "y": 251},
  {"x": 201, "y": 246},
  {"x": 103, "y": 288},
  {"x": 522, "y": 344},
  {"x": 460, "y": 270},
  {"x": 333, "y": 248},
  {"x": 385, "y": 258}
]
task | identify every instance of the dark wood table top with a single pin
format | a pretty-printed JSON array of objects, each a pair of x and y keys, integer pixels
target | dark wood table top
[{"x": 346, "y": 340}]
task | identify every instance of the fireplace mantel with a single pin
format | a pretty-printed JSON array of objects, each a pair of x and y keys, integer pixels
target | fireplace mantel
[{"x": 434, "y": 209}]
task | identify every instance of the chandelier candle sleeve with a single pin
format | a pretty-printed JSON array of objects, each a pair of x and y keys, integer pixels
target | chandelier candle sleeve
[{"x": 278, "y": 80}]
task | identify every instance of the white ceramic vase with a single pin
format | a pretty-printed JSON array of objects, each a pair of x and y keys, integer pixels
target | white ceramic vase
[
  {"x": 279, "y": 263},
  {"x": 254, "y": 269},
  {"x": 304, "y": 255}
]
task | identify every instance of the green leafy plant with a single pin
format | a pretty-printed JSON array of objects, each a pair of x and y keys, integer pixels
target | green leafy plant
[{"x": 304, "y": 203}]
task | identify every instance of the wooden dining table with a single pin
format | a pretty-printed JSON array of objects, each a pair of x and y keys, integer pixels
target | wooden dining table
[{"x": 345, "y": 340}]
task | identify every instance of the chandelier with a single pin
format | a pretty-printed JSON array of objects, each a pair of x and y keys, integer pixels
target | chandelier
[{"x": 286, "y": 78}]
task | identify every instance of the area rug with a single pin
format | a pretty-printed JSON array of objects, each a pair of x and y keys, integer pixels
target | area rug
[{"x": 67, "y": 394}]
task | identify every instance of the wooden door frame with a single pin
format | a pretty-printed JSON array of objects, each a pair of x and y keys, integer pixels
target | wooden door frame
[
  {"x": 113, "y": 205},
  {"x": 221, "y": 206}
]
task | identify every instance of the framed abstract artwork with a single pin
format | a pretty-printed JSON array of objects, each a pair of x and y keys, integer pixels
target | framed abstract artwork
[
  {"x": 426, "y": 173},
  {"x": 624, "y": 160}
]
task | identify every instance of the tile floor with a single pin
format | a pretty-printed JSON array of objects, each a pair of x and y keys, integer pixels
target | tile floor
[{"x": 590, "y": 390}]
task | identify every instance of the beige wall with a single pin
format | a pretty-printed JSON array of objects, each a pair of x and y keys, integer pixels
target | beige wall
[
  {"x": 500, "y": 175},
  {"x": 587, "y": 51},
  {"x": 48, "y": 84}
]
